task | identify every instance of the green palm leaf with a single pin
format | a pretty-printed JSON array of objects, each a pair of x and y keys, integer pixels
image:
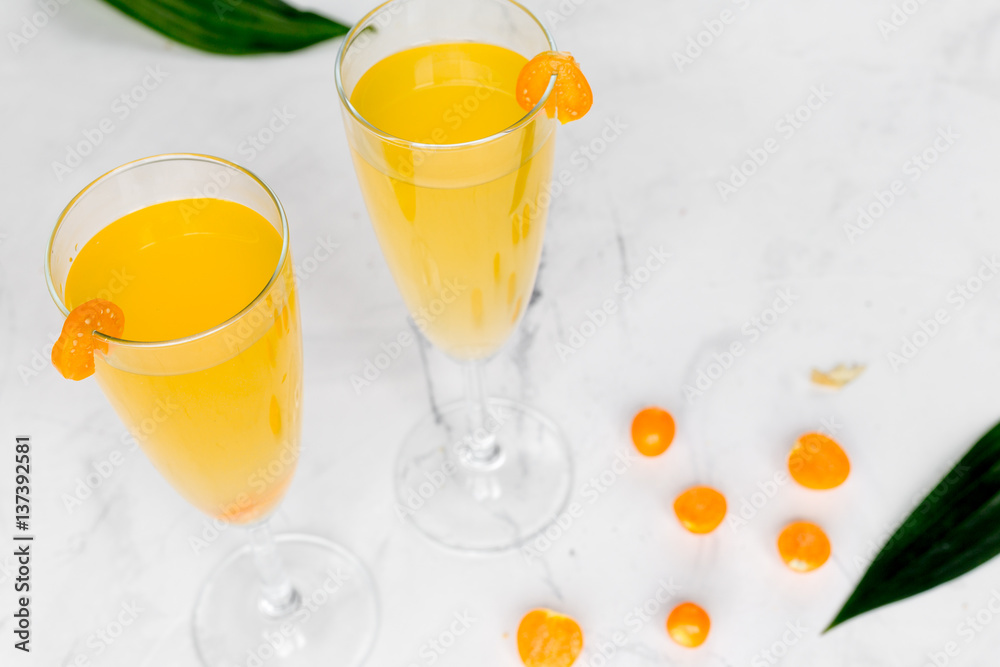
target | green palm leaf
[
  {"x": 233, "y": 27},
  {"x": 954, "y": 530}
]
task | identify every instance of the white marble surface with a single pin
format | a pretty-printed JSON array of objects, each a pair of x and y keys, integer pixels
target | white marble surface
[{"x": 655, "y": 185}]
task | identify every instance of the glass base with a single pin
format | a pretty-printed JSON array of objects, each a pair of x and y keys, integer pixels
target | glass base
[
  {"x": 487, "y": 507},
  {"x": 334, "y": 624}
]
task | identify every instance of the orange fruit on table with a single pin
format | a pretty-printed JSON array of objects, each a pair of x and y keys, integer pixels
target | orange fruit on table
[
  {"x": 548, "y": 639},
  {"x": 653, "y": 431},
  {"x": 803, "y": 546},
  {"x": 73, "y": 352},
  {"x": 571, "y": 96},
  {"x": 700, "y": 509},
  {"x": 818, "y": 462},
  {"x": 688, "y": 625}
]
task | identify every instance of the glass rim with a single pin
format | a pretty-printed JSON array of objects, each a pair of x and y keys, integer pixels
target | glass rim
[
  {"x": 154, "y": 159},
  {"x": 385, "y": 136}
]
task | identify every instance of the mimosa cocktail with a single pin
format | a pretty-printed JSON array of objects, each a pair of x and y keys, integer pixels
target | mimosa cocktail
[
  {"x": 454, "y": 171},
  {"x": 455, "y": 225},
  {"x": 175, "y": 276},
  {"x": 184, "y": 267}
]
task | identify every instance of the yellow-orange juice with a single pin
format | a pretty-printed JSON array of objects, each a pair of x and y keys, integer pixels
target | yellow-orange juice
[
  {"x": 460, "y": 224},
  {"x": 218, "y": 414}
]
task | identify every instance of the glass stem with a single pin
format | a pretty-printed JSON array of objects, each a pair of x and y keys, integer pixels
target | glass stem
[
  {"x": 479, "y": 447},
  {"x": 278, "y": 596}
]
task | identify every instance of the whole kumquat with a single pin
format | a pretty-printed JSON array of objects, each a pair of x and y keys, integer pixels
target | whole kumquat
[
  {"x": 700, "y": 509},
  {"x": 818, "y": 462},
  {"x": 803, "y": 546},
  {"x": 688, "y": 625},
  {"x": 652, "y": 431}
]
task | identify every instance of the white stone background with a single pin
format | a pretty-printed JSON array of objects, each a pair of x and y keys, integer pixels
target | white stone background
[{"x": 655, "y": 185}]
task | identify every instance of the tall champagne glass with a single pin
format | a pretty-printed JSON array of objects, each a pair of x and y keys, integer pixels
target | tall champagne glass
[
  {"x": 174, "y": 240},
  {"x": 456, "y": 180}
]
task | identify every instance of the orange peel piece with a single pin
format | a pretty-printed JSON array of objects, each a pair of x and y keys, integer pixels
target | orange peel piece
[
  {"x": 688, "y": 625},
  {"x": 652, "y": 431},
  {"x": 700, "y": 509},
  {"x": 571, "y": 98},
  {"x": 548, "y": 639},
  {"x": 803, "y": 546},
  {"x": 73, "y": 352},
  {"x": 818, "y": 462},
  {"x": 837, "y": 377}
]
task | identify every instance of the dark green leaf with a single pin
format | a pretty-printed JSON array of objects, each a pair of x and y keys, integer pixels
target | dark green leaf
[
  {"x": 955, "y": 529},
  {"x": 233, "y": 27}
]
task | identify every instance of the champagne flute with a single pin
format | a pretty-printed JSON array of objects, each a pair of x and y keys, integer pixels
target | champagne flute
[
  {"x": 217, "y": 411},
  {"x": 459, "y": 202}
]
